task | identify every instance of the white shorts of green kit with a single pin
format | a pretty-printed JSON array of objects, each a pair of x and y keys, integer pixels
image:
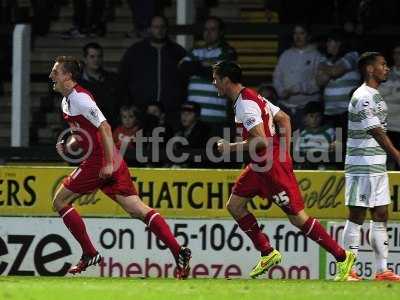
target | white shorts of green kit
[{"x": 367, "y": 191}]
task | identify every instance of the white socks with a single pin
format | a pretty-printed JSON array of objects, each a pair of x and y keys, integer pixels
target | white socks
[
  {"x": 379, "y": 240},
  {"x": 351, "y": 237}
]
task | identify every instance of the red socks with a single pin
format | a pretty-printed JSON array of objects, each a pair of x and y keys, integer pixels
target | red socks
[
  {"x": 314, "y": 230},
  {"x": 160, "y": 228},
  {"x": 75, "y": 224},
  {"x": 260, "y": 240},
  {"x": 153, "y": 219}
]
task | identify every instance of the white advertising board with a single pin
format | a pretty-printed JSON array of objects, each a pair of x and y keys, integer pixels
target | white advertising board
[{"x": 43, "y": 246}]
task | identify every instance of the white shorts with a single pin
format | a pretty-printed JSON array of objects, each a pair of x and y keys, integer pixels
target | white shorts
[{"x": 367, "y": 191}]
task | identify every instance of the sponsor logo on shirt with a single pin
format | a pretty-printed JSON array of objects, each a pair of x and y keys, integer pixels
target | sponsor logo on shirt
[
  {"x": 250, "y": 121},
  {"x": 93, "y": 113}
]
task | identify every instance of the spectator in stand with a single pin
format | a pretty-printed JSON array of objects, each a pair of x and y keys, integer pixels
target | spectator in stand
[
  {"x": 390, "y": 91},
  {"x": 338, "y": 75},
  {"x": 149, "y": 72},
  {"x": 87, "y": 20},
  {"x": 153, "y": 120},
  {"x": 316, "y": 141},
  {"x": 294, "y": 75},
  {"x": 142, "y": 14},
  {"x": 156, "y": 110},
  {"x": 100, "y": 82},
  {"x": 124, "y": 135},
  {"x": 155, "y": 117},
  {"x": 197, "y": 66},
  {"x": 193, "y": 130}
]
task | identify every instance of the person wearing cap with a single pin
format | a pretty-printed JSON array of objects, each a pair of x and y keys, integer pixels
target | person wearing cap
[
  {"x": 316, "y": 139},
  {"x": 195, "y": 131}
]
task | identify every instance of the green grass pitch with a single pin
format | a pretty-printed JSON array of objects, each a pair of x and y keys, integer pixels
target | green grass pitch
[{"x": 59, "y": 288}]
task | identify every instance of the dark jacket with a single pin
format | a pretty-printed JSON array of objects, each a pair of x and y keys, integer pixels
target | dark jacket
[
  {"x": 140, "y": 80},
  {"x": 197, "y": 138},
  {"x": 105, "y": 94}
]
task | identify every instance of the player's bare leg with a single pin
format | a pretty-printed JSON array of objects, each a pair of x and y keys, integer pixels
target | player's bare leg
[
  {"x": 62, "y": 204},
  {"x": 237, "y": 207},
  {"x": 315, "y": 231},
  {"x": 135, "y": 207}
]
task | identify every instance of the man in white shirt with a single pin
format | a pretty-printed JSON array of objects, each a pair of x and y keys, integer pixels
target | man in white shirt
[{"x": 367, "y": 183}]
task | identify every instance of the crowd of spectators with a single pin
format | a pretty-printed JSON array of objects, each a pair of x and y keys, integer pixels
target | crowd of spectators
[
  {"x": 159, "y": 84},
  {"x": 314, "y": 80}
]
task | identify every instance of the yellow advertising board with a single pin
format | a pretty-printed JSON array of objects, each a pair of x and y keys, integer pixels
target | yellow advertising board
[{"x": 179, "y": 193}]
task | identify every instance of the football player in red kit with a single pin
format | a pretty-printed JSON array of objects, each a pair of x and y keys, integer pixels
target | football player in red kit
[
  {"x": 102, "y": 168},
  {"x": 270, "y": 172}
]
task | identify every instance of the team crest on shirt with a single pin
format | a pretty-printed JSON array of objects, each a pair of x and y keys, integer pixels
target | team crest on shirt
[
  {"x": 93, "y": 112},
  {"x": 250, "y": 121}
]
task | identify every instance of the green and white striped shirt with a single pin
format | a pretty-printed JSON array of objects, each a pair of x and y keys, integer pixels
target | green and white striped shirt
[
  {"x": 367, "y": 110},
  {"x": 337, "y": 91},
  {"x": 202, "y": 90},
  {"x": 315, "y": 140}
]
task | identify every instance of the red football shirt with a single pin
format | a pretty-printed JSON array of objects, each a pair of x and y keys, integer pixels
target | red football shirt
[
  {"x": 84, "y": 118},
  {"x": 252, "y": 109}
]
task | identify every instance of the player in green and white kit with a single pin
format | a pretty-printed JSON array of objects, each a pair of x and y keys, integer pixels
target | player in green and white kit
[{"x": 367, "y": 184}]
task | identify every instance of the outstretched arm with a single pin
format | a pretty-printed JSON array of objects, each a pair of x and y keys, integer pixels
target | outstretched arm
[
  {"x": 346, "y": 64},
  {"x": 333, "y": 71}
]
